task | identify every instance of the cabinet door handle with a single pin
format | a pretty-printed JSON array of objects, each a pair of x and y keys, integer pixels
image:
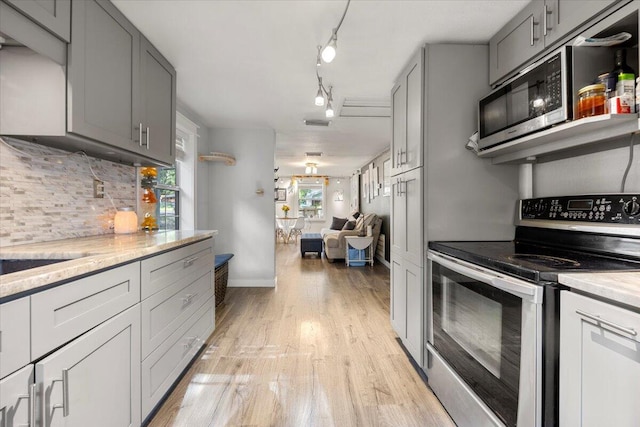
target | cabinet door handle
[
  {"x": 533, "y": 26},
  {"x": 32, "y": 411},
  {"x": 147, "y": 137},
  {"x": 32, "y": 405},
  {"x": 598, "y": 319},
  {"x": 140, "y": 134},
  {"x": 398, "y": 158},
  {"x": 65, "y": 393},
  {"x": 545, "y": 20}
]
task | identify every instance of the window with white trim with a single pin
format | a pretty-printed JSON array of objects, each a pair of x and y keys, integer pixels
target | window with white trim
[{"x": 311, "y": 200}]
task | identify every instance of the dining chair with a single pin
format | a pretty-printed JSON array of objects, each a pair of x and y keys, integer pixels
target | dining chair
[{"x": 297, "y": 228}]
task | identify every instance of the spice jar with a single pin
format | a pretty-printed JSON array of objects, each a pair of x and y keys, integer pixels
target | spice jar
[{"x": 591, "y": 100}]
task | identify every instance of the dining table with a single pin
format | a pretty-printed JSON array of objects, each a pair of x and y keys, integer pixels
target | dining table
[{"x": 286, "y": 223}]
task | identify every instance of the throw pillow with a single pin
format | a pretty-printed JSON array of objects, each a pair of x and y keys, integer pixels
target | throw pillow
[
  {"x": 338, "y": 223},
  {"x": 349, "y": 225},
  {"x": 355, "y": 215}
]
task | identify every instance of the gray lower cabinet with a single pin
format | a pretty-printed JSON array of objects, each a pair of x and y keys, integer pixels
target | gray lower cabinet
[
  {"x": 54, "y": 15},
  {"x": 17, "y": 393},
  {"x": 599, "y": 363},
  {"x": 94, "y": 380},
  {"x": 165, "y": 364},
  {"x": 15, "y": 343},
  {"x": 65, "y": 312},
  {"x": 539, "y": 26},
  {"x": 406, "y": 305}
]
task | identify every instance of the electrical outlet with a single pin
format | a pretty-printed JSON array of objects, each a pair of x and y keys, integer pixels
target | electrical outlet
[{"x": 98, "y": 189}]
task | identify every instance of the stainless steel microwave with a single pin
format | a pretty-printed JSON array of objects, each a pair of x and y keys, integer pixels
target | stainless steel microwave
[
  {"x": 535, "y": 99},
  {"x": 541, "y": 95}
]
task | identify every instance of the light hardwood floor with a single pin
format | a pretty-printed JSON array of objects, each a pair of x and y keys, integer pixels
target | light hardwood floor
[{"x": 318, "y": 350}]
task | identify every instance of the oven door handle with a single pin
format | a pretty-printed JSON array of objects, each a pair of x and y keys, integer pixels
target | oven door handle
[{"x": 519, "y": 288}]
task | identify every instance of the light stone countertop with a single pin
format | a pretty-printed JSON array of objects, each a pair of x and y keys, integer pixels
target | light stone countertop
[
  {"x": 87, "y": 254},
  {"x": 622, "y": 287}
]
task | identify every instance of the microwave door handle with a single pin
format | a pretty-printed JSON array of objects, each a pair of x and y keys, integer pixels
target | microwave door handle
[{"x": 525, "y": 291}]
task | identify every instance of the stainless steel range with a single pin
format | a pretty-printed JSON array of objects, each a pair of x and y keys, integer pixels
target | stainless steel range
[{"x": 493, "y": 308}]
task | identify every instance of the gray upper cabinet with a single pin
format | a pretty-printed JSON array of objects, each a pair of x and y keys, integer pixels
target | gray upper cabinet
[
  {"x": 158, "y": 103},
  {"x": 406, "y": 111},
  {"x": 563, "y": 16},
  {"x": 103, "y": 65},
  {"x": 516, "y": 42},
  {"x": 538, "y": 26},
  {"x": 54, "y": 15},
  {"x": 121, "y": 90}
]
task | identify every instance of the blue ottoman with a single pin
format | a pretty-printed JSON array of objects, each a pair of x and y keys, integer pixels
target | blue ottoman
[{"x": 311, "y": 242}]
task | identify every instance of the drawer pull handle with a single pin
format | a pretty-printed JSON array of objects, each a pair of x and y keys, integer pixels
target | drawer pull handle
[
  {"x": 65, "y": 393},
  {"x": 189, "y": 343},
  {"x": 189, "y": 261},
  {"x": 187, "y": 298},
  {"x": 598, "y": 319}
]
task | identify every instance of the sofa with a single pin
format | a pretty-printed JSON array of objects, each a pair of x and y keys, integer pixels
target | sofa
[{"x": 335, "y": 245}]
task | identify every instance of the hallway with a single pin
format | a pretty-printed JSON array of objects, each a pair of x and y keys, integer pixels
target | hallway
[{"x": 316, "y": 351}]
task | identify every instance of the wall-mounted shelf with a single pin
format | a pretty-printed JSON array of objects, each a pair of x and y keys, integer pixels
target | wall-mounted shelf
[
  {"x": 564, "y": 137},
  {"x": 228, "y": 159}
]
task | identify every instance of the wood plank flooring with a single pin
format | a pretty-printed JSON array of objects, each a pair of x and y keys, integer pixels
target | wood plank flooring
[{"x": 318, "y": 350}]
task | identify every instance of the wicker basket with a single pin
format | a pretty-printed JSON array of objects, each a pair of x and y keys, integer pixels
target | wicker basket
[{"x": 221, "y": 276}]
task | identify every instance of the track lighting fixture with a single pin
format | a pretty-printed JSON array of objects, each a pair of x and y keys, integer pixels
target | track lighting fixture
[
  {"x": 311, "y": 168},
  {"x": 327, "y": 54}
]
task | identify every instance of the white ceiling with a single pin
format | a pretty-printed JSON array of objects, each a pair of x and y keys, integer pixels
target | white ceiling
[{"x": 249, "y": 63}]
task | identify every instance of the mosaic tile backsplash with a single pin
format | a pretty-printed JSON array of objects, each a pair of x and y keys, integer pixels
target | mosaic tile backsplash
[{"x": 47, "y": 194}]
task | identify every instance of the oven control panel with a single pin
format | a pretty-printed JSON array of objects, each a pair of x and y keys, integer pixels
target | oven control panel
[{"x": 601, "y": 208}]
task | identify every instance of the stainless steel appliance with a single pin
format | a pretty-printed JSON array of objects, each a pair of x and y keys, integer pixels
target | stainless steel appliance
[
  {"x": 540, "y": 96},
  {"x": 493, "y": 307}
]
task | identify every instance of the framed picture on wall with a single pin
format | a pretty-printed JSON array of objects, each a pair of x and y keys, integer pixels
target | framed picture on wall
[
  {"x": 365, "y": 186},
  {"x": 386, "y": 178},
  {"x": 371, "y": 182},
  {"x": 281, "y": 194},
  {"x": 376, "y": 182}
]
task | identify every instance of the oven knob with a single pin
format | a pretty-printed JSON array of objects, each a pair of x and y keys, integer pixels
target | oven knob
[{"x": 631, "y": 208}]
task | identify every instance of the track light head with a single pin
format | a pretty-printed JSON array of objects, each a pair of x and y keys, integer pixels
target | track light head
[
  {"x": 329, "y": 51},
  {"x": 329, "y": 113},
  {"x": 320, "y": 94}
]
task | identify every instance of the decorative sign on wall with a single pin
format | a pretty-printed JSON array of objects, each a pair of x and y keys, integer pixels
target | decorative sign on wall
[{"x": 338, "y": 195}]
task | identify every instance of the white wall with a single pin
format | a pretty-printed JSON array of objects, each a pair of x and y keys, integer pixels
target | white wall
[{"x": 244, "y": 220}]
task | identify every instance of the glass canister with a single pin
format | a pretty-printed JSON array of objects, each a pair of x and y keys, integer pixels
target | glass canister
[{"x": 592, "y": 101}]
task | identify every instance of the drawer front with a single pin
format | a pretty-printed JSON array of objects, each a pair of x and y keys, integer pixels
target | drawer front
[
  {"x": 15, "y": 350},
  {"x": 16, "y": 394},
  {"x": 65, "y": 312},
  {"x": 165, "y": 311},
  {"x": 164, "y": 365},
  {"x": 166, "y": 269}
]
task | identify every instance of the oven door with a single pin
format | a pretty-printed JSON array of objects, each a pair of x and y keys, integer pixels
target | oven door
[{"x": 484, "y": 349}]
